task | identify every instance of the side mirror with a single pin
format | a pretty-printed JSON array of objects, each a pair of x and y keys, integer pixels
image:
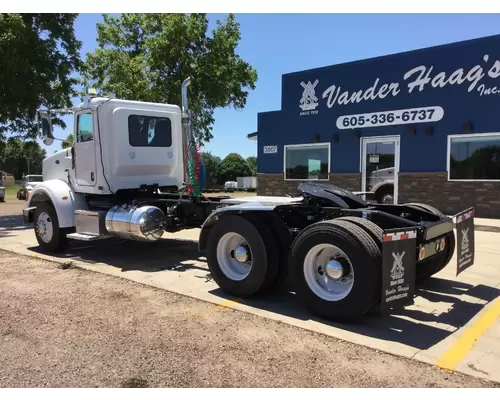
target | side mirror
[{"x": 46, "y": 128}]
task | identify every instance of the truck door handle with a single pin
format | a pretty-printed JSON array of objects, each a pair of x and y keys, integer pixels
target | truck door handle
[{"x": 92, "y": 176}]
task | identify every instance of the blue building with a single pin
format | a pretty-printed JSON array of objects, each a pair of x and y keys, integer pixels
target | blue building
[{"x": 420, "y": 126}]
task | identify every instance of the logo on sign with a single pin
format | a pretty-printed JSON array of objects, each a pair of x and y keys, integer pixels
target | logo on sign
[
  {"x": 465, "y": 240},
  {"x": 309, "y": 101},
  {"x": 397, "y": 271}
]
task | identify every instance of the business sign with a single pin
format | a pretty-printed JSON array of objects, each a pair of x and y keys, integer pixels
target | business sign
[
  {"x": 270, "y": 149},
  {"x": 415, "y": 80}
]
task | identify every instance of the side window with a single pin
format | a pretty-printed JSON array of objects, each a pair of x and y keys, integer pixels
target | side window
[
  {"x": 84, "y": 128},
  {"x": 144, "y": 131}
]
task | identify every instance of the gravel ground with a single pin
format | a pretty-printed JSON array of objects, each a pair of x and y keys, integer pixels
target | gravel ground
[{"x": 74, "y": 328}]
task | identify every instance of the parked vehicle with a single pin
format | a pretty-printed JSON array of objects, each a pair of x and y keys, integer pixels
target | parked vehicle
[
  {"x": 230, "y": 186},
  {"x": 248, "y": 183},
  {"x": 29, "y": 182},
  {"x": 2, "y": 189},
  {"x": 125, "y": 177}
]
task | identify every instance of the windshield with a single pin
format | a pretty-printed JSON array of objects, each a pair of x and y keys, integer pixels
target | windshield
[{"x": 35, "y": 178}]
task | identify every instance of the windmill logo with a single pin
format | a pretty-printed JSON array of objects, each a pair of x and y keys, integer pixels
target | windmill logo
[
  {"x": 465, "y": 240},
  {"x": 309, "y": 101},
  {"x": 397, "y": 271}
]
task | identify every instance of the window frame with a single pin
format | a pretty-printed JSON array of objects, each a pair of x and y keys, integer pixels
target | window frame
[
  {"x": 150, "y": 116},
  {"x": 448, "y": 154},
  {"x": 76, "y": 139},
  {"x": 306, "y": 145}
]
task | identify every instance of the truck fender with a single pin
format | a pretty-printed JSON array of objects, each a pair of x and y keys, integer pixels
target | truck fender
[
  {"x": 381, "y": 185},
  {"x": 62, "y": 197},
  {"x": 228, "y": 210}
]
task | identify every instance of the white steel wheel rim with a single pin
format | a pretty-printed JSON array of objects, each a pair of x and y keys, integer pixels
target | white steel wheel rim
[
  {"x": 229, "y": 265},
  {"x": 44, "y": 227},
  {"x": 317, "y": 276}
]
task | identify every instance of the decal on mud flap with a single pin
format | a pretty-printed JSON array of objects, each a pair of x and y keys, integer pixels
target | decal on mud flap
[
  {"x": 465, "y": 240},
  {"x": 398, "y": 268}
]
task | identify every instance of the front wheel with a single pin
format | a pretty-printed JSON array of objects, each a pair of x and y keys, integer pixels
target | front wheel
[
  {"x": 48, "y": 234},
  {"x": 385, "y": 196}
]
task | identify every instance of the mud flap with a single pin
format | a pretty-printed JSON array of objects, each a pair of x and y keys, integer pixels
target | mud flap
[
  {"x": 464, "y": 224},
  {"x": 399, "y": 261}
]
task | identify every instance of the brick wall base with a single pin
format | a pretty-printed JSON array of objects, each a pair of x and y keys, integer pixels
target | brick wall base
[
  {"x": 450, "y": 197},
  {"x": 275, "y": 185},
  {"x": 430, "y": 188}
]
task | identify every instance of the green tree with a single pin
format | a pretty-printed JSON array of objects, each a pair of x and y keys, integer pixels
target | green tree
[
  {"x": 18, "y": 157},
  {"x": 39, "y": 54},
  {"x": 212, "y": 167},
  {"x": 147, "y": 56},
  {"x": 232, "y": 167},
  {"x": 68, "y": 142},
  {"x": 252, "y": 164}
]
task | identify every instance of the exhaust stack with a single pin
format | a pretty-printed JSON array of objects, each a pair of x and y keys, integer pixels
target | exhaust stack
[{"x": 187, "y": 133}]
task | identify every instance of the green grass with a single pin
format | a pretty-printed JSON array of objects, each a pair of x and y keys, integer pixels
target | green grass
[{"x": 12, "y": 189}]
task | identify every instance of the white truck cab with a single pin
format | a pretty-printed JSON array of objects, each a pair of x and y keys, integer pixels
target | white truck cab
[
  {"x": 124, "y": 174},
  {"x": 120, "y": 144}
]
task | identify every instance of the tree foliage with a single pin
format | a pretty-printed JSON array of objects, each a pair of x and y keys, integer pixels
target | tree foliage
[
  {"x": 212, "y": 166},
  {"x": 39, "y": 53},
  {"x": 252, "y": 164},
  {"x": 21, "y": 157},
  {"x": 147, "y": 56},
  {"x": 68, "y": 142},
  {"x": 232, "y": 167}
]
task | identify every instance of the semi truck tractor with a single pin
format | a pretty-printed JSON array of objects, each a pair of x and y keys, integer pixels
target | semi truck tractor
[{"x": 133, "y": 173}]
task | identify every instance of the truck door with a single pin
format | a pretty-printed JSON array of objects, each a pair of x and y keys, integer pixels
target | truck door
[{"x": 85, "y": 165}]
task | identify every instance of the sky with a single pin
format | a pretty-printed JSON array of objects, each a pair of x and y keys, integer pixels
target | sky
[{"x": 275, "y": 44}]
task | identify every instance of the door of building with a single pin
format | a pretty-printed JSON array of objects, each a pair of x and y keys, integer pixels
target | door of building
[{"x": 380, "y": 167}]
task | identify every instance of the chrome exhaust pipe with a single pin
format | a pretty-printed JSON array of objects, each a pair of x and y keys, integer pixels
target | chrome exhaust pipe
[
  {"x": 184, "y": 94},
  {"x": 187, "y": 133}
]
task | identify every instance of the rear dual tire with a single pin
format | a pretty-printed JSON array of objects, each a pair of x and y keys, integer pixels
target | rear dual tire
[
  {"x": 319, "y": 283},
  {"x": 242, "y": 256},
  {"x": 428, "y": 268}
]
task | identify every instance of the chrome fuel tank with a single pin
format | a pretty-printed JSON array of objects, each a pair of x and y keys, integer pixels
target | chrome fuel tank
[{"x": 135, "y": 223}]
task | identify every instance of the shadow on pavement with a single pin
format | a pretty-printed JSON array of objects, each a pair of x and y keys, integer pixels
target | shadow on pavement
[
  {"x": 167, "y": 254},
  {"x": 10, "y": 224},
  {"x": 395, "y": 327}
]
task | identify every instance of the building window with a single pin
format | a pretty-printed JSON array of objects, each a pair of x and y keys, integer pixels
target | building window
[
  {"x": 307, "y": 162},
  {"x": 474, "y": 157},
  {"x": 84, "y": 128},
  {"x": 147, "y": 131}
]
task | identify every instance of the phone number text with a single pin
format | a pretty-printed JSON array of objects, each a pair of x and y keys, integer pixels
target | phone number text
[{"x": 394, "y": 117}]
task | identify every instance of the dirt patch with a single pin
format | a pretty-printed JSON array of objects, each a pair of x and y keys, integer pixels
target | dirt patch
[{"x": 75, "y": 328}]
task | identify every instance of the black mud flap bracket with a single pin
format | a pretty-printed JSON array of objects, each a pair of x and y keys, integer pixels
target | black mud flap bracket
[
  {"x": 466, "y": 243},
  {"x": 399, "y": 261}
]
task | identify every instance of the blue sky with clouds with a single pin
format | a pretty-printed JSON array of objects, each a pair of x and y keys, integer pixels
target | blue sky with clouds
[{"x": 275, "y": 44}]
